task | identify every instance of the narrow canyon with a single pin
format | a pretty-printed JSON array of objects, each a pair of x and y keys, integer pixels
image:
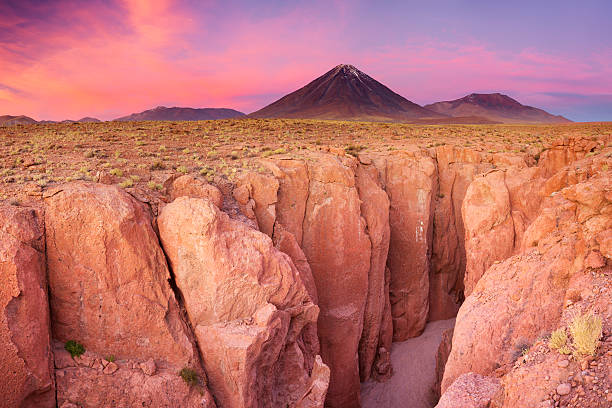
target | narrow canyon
[{"x": 307, "y": 282}]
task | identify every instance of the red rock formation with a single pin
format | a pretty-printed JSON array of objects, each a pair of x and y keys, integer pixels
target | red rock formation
[
  {"x": 409, "y": 178},
  {"x": 262, "y": 188},
  {"x": 338, "y": 250},
  {"x": 563, "y": 152},
  {"x": 247, "y": 304},
  {"x": 375, "y": 210},
  {"x": 190, "y": 186},
  {"x": 457, "y": 167},
  {"x": 108, "y": 276},
  {"x": 26, "y": 361},
  {"x": 524, "y": 296},
  {"x": 444, "y": 350},
  {"x": 489, "y": 227},
  {"x": 470, "y": 391}
]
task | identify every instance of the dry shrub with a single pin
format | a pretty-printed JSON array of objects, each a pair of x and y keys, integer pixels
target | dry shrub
[{"x": 586, "y": 331}]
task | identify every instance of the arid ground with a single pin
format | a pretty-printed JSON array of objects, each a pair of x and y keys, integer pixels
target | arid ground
[{"x": 142, "y": 155}]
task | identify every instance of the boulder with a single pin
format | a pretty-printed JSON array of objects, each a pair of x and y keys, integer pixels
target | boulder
[
  {"x": 26, "y": 360},
  {"x": 489, "y": 226},
  {"x": 246, "y": 302},
  {"x": 470, "y": 391},
  {"x": 108, "y": 278},
  {"x": 195, "y": 187}
]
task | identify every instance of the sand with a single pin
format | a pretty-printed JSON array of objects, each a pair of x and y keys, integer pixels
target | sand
[{"x": 414, "y": 367}]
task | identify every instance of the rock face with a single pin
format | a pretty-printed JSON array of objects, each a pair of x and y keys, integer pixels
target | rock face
[
  {"x": 26, "y": 360},
  {"x": 108, "y": 277},
  {"x": 190, "y": 186},
  {"x": 375, "y": 210},
  {"x": 410, "y": 179},
  {"x": 533, "y": 292},
  {"x": 444, "y": 350},
  {"x": 333, "y": 200},
  {"x": 457, "y": 167},
  {"x": 337, "y": 212},
  {"x": 247, "y": 304},
  {"x": 470, "y": 391},
  {"x": 489, "y": 228}
]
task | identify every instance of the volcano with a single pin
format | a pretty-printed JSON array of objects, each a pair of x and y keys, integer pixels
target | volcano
[
  {"x": 346, "y": 93},
  {"x": 496, "y": 107}
]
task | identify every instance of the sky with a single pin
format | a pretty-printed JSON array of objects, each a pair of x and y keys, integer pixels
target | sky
[{"x": 67, "y": 59}]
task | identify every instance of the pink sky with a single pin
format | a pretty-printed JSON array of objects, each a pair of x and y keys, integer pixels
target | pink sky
[{"x": 107, "y": 59}]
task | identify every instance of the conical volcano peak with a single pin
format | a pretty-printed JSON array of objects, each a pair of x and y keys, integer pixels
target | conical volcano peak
[{"x": 345, "y": 93}]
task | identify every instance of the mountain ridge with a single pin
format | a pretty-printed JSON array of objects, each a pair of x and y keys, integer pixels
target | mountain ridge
[
  {"x": 496, "y": 107},
  {"x": 176, "y": 113}
]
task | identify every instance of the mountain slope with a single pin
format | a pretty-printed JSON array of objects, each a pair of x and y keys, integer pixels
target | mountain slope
[
  {"x": 8, "y": 120},
  {"x": 182, "y": 114},
  {"x": 496, "y": 107},
  {"x": 345, "y": 93}
]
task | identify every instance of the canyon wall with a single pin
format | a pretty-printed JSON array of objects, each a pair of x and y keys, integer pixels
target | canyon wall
[{"x": 538, "y": 241}]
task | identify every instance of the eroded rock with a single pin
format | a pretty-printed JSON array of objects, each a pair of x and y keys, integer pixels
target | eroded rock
[
  {"x": 246, "y": 302},
  {"x": 108, "y": 277},
  {"x": 26, "y": 361}
]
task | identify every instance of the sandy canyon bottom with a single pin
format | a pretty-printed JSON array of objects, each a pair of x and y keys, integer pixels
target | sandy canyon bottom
[{"x": 414, "y": 372}]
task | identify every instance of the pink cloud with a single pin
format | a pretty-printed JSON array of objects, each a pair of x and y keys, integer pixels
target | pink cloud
[{"x": 110, "y": 61}]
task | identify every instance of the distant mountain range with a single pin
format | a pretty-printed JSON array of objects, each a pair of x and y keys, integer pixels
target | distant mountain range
[
  {"x": 8, "y": 120},
  {"x": 346, "y": 93},
  {"x": 181, "y": 114},
  {"x": 496, "y": 107}
]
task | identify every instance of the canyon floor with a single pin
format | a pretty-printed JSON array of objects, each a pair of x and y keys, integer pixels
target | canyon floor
[
  {"x": 414, "y": 372},
  {"x": 308, "y": 264}
]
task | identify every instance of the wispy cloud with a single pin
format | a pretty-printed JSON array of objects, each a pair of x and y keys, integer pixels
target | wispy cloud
[{"x": 110, "y": 58}]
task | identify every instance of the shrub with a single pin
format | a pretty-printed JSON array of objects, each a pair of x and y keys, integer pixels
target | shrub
[
  {"x": 558, "y": 341},
  {"x": 189, "y": 376},
  {"x": 110, "y": 358},
  {"x": 126, "y": 183},
  {"x": 181, "y": 169},
  {"x": 116, "y": 172},
  {"x": 74, "y": 348},
  {"x": 586, "y": 331}
]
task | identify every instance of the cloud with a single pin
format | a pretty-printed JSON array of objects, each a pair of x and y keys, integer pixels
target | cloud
[{"x": 111, "y": 58}]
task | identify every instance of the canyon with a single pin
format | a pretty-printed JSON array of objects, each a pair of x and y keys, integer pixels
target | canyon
[{"x": 292, "y": 283}]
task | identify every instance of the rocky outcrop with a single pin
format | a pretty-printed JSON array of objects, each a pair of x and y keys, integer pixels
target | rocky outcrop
[
  {"x": 526, "y": 295},
  {"x": 108, "y": 276},
  {"x": 457, "y": 167},
  {"x": 335, "y": 242},
  {"x": 409, "y": 179},
  {"x": 190, "y": 186},
  {"x": 470, "y": 391},
  {"x": 247, "y": 304},
  {"x": 26, "y": 360},
  {"x": 565, "y": 151}
]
